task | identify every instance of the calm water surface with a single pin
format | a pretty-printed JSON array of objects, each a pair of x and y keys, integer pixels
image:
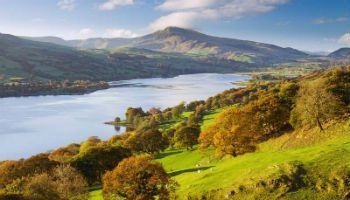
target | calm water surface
[{"x": 31, "y": 125}]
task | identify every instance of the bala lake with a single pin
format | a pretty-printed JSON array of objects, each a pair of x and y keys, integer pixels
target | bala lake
[{"x": 31, "y": 125}]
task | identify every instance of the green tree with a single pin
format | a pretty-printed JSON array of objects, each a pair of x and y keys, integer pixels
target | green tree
[
  {"x": 178, "y": 110},
  {"x": 186, "y": 137},
  {"x": 94, "y": 162}
]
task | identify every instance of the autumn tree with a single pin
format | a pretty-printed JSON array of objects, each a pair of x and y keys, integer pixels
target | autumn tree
[
  {"x": 315, "y": 106},
  {"x": 154, "y": 111},
  {"x": 237, "y": 129},
  {"x": 148, "y": 141},
  {"x": 133, "y": 113},
  {"x": 12, "y": 170},
  {"x": 137, "y": 178},
  {"x": 193, "y": 105},
  {"x": 70, "y": 184},
  {"x": 64, "y": 154},
  {"x": 64, "y": 182},
  {"x": 41, "y": 187}
]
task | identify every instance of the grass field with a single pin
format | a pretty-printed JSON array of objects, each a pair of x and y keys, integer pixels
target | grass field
[
  {"x": 331, "y": 153},
  {"x": 321, "y": 154}
]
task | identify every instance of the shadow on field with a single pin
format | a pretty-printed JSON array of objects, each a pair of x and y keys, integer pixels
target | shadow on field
[
  {"x": 165, "y": 154},
  {"x": 196, "y": 169}
]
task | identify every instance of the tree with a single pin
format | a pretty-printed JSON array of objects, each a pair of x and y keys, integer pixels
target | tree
[
  {"x": 12, "y": 170},
  {"x": 338, "y": 81},
  {"x": 94, "y": 162},
  {"x": 168, "y": 134},
  {"x": 186, "y": 137},
  {"x": 137, "y": 178},
  {"x": 89, "y": 143},
  {"x": 178, "y": 110},
  {"x": 237, "y": 129},
  {"x": 192, "y": 105},
  {"x": 64, "y": 154},
  {"x": 232, "y": 143},
  {"x": 70, "y": 184},
  {"x": 64, "y": 182},
  {"x": 132, "y": 113},
  {"x": 154, "y": 111},
  {"x": 41, "y": 187},
  {"x": 148, "y": 141},
  {"x": 315, "y": 105}
]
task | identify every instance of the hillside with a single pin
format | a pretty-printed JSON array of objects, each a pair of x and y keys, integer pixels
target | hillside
[
  {"x": 197, "y": 45},
  {"x": 343, "y": 53},
  {"x": 42, "y": 61},
  {"x": 274, "y": 139},
  {"x": 275, "y": 170},
  {"x": 299, "y": 162}
]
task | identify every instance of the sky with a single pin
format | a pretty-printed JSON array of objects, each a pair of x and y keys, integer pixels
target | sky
[{"x": 309, "y": 25}]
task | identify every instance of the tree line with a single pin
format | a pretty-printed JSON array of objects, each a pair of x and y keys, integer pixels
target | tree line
[{"x": 32, "y": 88}]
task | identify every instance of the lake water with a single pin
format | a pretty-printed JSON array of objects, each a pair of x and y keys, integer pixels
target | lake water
[{"x": 31, "y": 125}]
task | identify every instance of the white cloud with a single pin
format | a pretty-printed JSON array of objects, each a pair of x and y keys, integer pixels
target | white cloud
[
  {"x": 66, "y": 4},
  {"x": 185, "y": 4},
  {"x": 112, "y": 4},
  {"x": 345, "y": 39},
  {"x": 179, "y": 19},
  {"x": 329, "y": 20},
  {"x": 120, "y": 33},
  {"x": 187, "y": 13}
]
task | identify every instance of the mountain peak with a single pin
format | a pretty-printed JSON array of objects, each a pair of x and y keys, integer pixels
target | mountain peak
[{"x": 173, "y": 30}]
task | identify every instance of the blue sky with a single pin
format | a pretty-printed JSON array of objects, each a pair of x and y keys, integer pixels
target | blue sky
[{"x": 313, "y": 25}]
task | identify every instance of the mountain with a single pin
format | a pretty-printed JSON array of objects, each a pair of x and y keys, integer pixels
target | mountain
[
  {"x": 32, "y": 60},
  {"x": 48, "y": 39},
  {"x": 197, "y": 45},
  {"x": 174, "y": 39},
  {"x": 343, "y": 53}
]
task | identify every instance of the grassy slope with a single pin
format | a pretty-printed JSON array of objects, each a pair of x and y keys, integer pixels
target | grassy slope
[{"x": 318, "y": 152}]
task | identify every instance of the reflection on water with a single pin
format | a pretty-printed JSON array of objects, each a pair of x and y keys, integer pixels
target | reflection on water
[{"x": 30, "y": 125}]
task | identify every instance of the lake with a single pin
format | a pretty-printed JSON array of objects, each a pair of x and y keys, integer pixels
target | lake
[{"x": 31, "y": 125}]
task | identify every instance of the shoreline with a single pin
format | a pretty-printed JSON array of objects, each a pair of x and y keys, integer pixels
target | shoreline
[{"x": 89, "y": 90}]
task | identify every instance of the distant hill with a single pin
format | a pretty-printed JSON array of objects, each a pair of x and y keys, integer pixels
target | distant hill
[
  {"x": 342, "y": 53},
  {"x": 194, "y": 44},
  {"x": 33, "y": 60}
]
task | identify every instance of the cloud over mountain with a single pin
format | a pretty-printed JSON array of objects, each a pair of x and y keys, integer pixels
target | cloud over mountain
[
  {"x": 187, "y": 14},
  {"x": 112, "y": 4}
]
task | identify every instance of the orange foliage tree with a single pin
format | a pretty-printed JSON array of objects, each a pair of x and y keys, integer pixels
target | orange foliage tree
[{"x": 138, "y": 178}]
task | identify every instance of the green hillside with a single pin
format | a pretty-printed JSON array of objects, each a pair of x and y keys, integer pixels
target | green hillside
[
  {"x": 41, "y": 61},
  {"x": 308, "y": 161},
  {"x": 231, "y": 52},
  {"x": 273, "y": 171},
  {"x": 273, "y": 139},
  {"x": 304, "y": 165}
]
